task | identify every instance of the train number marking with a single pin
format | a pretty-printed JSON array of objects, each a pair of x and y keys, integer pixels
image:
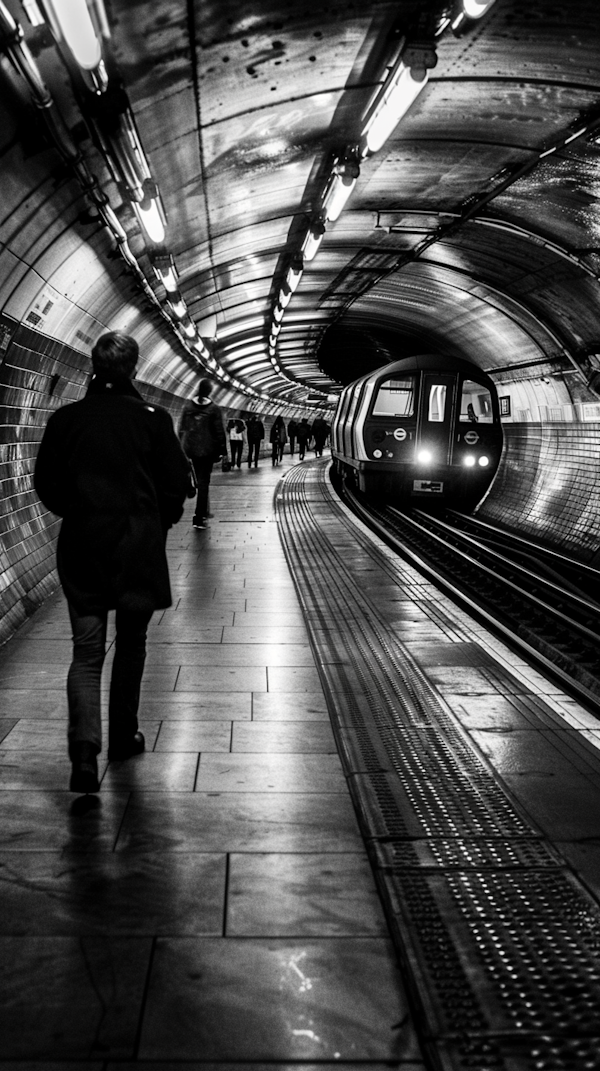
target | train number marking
[
  {"x": 400, "y": 434},
  {"x": 431, "y": 486}
]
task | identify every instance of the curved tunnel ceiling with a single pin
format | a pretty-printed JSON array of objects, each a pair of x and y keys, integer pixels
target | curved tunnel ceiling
[{"x": 475, "y": 228}]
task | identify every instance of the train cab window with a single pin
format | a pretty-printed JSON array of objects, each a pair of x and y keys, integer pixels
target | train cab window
[
  {"x": 395, "y": 398},
  {"x": 475, "y": 403},
  {"x": 436, "y": 411}
]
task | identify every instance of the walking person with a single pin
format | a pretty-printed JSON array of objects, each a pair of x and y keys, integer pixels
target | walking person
[
  {"x": 202, "y": 436},
  {"x": 235, "y": 429},
  {"x": 303, "y": 436},
  {"x": 320, "y": 431},
  {"x": 278, "y": 439},
  {"x": 112, "y": 468},
  {"x": 291, "y": 430},
  {"x": 255, "y": 432}
]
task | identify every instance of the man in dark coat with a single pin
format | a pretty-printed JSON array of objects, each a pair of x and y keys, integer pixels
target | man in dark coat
[
  {"x": 320, "y": 431},
  {"x": 291, "y": 429},
  {"x": 203, "y": 438},
  {"x": 303, "y": 434},
  {"x": 112, "y": 468},
  {"x": 255, "y": 431}
]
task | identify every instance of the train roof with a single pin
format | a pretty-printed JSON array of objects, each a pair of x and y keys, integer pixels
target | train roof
[{"x": 439, "y": 362}]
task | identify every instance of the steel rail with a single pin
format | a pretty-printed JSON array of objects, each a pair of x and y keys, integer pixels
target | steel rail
[
  {"x": 379, "y": 522},
  {"x": 501, "y": 559},
  {"x": 554, "y": 557}
]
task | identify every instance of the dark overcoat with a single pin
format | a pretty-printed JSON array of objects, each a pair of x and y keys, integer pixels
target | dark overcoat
[{"x": 111, "y": 466}]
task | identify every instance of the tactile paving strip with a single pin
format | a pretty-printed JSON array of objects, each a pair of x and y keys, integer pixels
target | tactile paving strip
[{"x": 500, "y": 942}]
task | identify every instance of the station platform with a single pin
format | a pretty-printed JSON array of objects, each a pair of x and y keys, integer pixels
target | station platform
[{"x": 362, "y": 831}]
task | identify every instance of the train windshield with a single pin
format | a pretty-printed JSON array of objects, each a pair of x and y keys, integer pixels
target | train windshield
[
  {"x": 395, "y": 398},
  {"x": 475, "y": 403}
]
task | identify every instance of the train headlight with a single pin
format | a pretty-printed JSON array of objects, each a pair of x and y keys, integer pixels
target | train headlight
[
  {"x": 424, "y": 456},
  {"x": 377, "y": 453},
  {"x": 484, "y": 461},
  {"x": 469, "y": 461}
]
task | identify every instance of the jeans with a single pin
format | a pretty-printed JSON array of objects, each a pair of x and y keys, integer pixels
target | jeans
[
  {"x": 83, "y": 680},
  {"x": 202, "y": 468},
  {"x": 236, "y": 451},
  {"x": 253, "y": 451}
]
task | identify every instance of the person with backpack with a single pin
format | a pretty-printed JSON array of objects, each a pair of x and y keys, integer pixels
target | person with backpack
[{"x": 202, "y": 437}]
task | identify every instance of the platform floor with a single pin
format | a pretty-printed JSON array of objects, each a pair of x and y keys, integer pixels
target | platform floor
[{"x": 215, "y": 902}]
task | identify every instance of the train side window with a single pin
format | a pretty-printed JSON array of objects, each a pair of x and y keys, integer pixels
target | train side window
[
  {"x": 475, "y": 403},
  {"x": 437, "y": 403},
  {"x": 395, "y": 398}
]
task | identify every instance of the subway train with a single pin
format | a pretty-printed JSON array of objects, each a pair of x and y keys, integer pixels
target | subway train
[{"x": 426, "y": 429}]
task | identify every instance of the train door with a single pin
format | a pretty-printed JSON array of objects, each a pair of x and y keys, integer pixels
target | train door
[
  {"x": 349, "y": 442},
  {"x": 434, "y": 440},
  {"x": 339, "y": 419}
]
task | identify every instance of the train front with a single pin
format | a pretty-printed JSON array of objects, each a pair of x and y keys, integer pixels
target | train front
[{"x": 416, "y": 432}]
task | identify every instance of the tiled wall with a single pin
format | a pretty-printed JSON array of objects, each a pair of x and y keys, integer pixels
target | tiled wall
[
  {"x": 37, "y": 376},
  {"x": 548, "y": 486}
]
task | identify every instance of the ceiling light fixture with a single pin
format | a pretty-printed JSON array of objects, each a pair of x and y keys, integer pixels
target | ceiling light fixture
[
  {"x": 278, "y": 314},
  {"x": 312, "y": 240},
  {"x": 467, "y": 11},
  {"x": 340, "y": 185},
  {"x": 475, "y": 9},
  {"x": 150, "y": 214},
  {"x": 400, "y": 91},
  {"x": 285, "y": 296},
  {"x": 164, "y": 269},
  {"x": 78, "y": 25},
  {"x": 178, "y": 308},
  {"x": 294, "y": 274}
]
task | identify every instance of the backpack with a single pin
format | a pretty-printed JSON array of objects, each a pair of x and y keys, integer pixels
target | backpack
[{"x": 198, "y": 439}]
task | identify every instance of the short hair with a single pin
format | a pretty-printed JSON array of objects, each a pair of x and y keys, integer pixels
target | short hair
[
  {"x": 116, "y": 354},
  {"x": 204, "y": 388}
]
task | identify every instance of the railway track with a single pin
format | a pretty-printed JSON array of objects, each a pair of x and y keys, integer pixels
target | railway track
[{"x": 544, "y": 604}]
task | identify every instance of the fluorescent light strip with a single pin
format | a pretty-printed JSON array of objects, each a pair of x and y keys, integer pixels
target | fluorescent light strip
[{"x": 395, "y": 100}]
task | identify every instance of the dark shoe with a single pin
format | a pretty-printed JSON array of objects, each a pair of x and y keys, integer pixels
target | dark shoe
[
  {"x": 199, "y": 524},
  {"x": 135, "y": 746},
  {"x": 84, "y": 775}
]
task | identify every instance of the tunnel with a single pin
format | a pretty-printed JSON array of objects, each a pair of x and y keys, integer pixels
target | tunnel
[
  {"x": 472, "y": 229},
  {"x": 282, "y": 198}
]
